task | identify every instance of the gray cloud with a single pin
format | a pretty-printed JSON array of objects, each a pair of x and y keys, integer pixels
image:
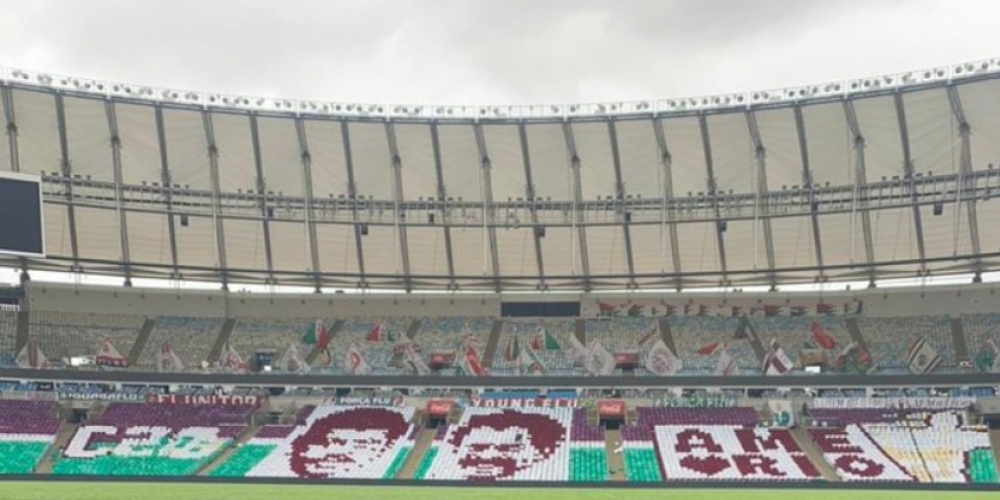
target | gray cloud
[{"x": 500, "y": 51}]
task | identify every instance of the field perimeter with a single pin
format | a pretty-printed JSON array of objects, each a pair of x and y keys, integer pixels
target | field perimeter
[{"x": 151, "y": 491}]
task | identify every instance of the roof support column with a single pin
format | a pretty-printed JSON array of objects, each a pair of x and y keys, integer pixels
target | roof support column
[
  {"x": 11, "y": 127},
  {"x": 620, "y": 194},
  {"x": 965, "y": 180},
  {"x": 860, "y": 179},
  {"x": 807, "y": 180},
  {"x": 442, "y": 203},
  {"x": 489, "y": 208},
  {"x": 307, "y": 185},
  {"x": 399, "y": 220},
  {"x": 168, "y": 190},
  {"x": 261, "y": 197},
  {"x": 116, "y": 163},
  {"x": 529, "y": 189},
  {"x": 213, "y": 165},
  {"x": 763, "y": 210},
  {"x": 712, "y": 192},
  {"x": 667, "y": 213},
  {"x": 908, "y": 171},
  {"x": 66, "y": 167},
  {"x": 352, "y": 195},
  {"x": 579, "y": 221}
]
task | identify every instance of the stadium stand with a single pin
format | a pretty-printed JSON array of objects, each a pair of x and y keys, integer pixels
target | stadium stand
[
  {"x": 190, "y": 338},
  {"x": 883, "y": 335},
  {"x": 448, "y": 334},
  {"x": 8, "y": 337},
  {"x": 251, "y": 335},
  {"x": 375, "y": 338},
  {"x": 519, "y": 334},
  {"x": 61, "y": 335},
  {"x": 692, "y": 334},
  {"x": 27, "y": 429}
]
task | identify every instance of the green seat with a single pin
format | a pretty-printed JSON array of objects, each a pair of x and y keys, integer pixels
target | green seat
[
  {"x": 641, "y": 465},
  {"x": 21, "y": 457},
  {"x": 243, "y": 460}
]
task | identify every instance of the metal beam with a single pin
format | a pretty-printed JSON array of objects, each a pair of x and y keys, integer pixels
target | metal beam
[
  {"x": 442, "y": 199},
  {"x": 760, "y": 154},
  {"x": 489, "y": 209},
  {"x": 860, "y": 178},
  {"x": 578, "y": 216},
  {"x": 396, "y": 164},
  {"x": 261, "y": 187},
  {"x": 161, "y": 137},
  {"x": 213, "y": 166},
  {"x": 667, "y": 215},
  {"x": 807, "y": 180},
  {"x": 908, "y": 171},
  {"x": 620, "y": 195},
  {"x": 307, "y": 184},
  {"x": 116, "y": 163},
  {"x": 10, "y": 127},
  {"x": 529, "y": 191},
  {"x": 706, "y": 143},
  {"x": 352, "y": 194},
  {"x": 66, "y": 167},
  {"x": 966, "y": 181}
]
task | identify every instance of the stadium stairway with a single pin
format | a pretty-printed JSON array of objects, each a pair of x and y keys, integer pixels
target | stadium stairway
[
  {"x": 220, "y": 342},
  {"x": 580, "y": 331},
  {"x": 667, "y": 334},
  {"x": 995, "y": 445},
  {"x": 414, "y": 329},
  {"x": 616, "y": 464},
  {"x": 228, "y": 452},
  {"x": 814, "y": 454},
  {"x": 492, "y": 343},
  {"x": 332, "y": 333},
  {"x": 855, "y": 331},
  {"x": 958, "y": 339},
  {"x": 754, "y": 339},
  {"x": 141, "y": 341},
  {"x": 423, "y": 443},
  {"x": 65, "y": 434}
]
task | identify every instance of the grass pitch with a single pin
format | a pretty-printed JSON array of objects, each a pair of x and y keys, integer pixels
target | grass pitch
[{"x": 151, "y": 491}]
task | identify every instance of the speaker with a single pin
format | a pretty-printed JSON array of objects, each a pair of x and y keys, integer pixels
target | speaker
[
  {"x": 938, "y": 208},
  {"x": 722, "y": 225},
  {"x": 540, "y": 231},
  {"x": 363, "y": 229}
]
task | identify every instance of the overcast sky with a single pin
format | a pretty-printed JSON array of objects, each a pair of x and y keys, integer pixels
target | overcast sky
[{"x": 501, "y": 51}]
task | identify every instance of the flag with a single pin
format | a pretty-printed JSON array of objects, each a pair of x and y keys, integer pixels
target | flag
[
  {"x": 577, "y": 352},
  {"x": 601, "y": 361},
  {"x": 662, "y": 361},
  {"x": 377, "y": 334},
  {"x": 355, "y": 363},
  {"x": 922, "y": 358},
  {"x": 323, "y": 359},
  {"x": 169, "y": 361},
  {"x": 725, "y": 366},
  {"x": 550, "y": 343},
  {"x": 317, "y": 335},
  {"x": 414, "y": 360},
  {"x": 292, "y": 362},
  {"x": 988, "y": 358},
  {"x": 529, "y": 362},
  {"x": 777, "y": 362},
  {"x": 824, "y": 308},
  {"x": 822, "y": 338},
  {"x": 653, "y": 332},
  {"x": 109, "y": 356},
  {"x": 854, "y": 359},
  {"x": 741, "y": 330},
  {"x": 636, "y": 310},
  {"x": 232, "y": 360},
  {"x": 709, "y": 349},
  {"x": 471, "y": 364},
  {"x": 513, "y": 349},
  {"x": 31, "y": 356}
]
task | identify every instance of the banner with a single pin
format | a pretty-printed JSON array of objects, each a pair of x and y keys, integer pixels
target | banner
[
  {"x": 442, "y": 359},
  {"x": 611, "y": 408},
  {"x": 895, "y": 403},
  {"x": 662, "y": 361},
  {"x": 102, "y": 396},
  {"x": 626, "y": 359},
  {"x": 922, "y": 358},
  {"x": 212, "y": 400},
  {"x": 524, "y": 403},
  {"x": 367, "y": 401},
  {"x": 440, "y": 407},
  {"x": 706, "y": 401},
  {"x": 109, "y": 356}
]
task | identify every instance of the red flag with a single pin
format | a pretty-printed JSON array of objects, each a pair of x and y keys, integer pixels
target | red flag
[
  {"x": 377, "y": 334},
  {"x": 822, "y": 338},
  {"x": 324, "y": 338},
  {"x": 708, "y": 349},
  {"x": 864, "y": 356}
]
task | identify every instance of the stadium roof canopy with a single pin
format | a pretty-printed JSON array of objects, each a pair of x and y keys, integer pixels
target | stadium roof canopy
[{"x": 890, "y": 176}]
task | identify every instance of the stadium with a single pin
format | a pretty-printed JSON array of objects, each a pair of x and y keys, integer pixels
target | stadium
[{"x": 545, "y": 301}]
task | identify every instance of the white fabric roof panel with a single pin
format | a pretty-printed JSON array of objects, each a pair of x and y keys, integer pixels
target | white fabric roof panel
[
  {"x": 196, "y": 242},
  {"x": 4, "y": 145},
  {"x": 550, "y": 166},
  {"x": 140, "y": 147},
  {"x": 149, "y": 238},
  {"x": 428, "y": 255},
  {"x": 381, "y": 247},
  {"x": 733, "y": 159},
  {"x": 245, "y": 244},
  {"x": 744, "y": 250},
  {"x": 981, "y": 104},
  {"x": 418, "y": 172},
  {"x": 187, "y": 149},
  {"x": 946, "y": 235},
  {"x": 893, "y": 235},
  {"x": 371, "y": 160},
  {"x": 651, "y": 249},
  {"x": 606, "y": 250},
  {"x": 461, "y": 166},
  {"x": 237, "y": 166},
  {"x": 879, "y": 125},
  {"x": 934, "y": 142},
  {"x": 829, "y": 144},
  {"x": 839, "y": 247},
  {"x": 597, "y": 170},
  {"x": 337, "y": 250},
  {"x": 289, "y": 246},
  {"x": 516, "y": 252},
  {"x": 88, "y": 138},
  {"x": 37, "y": 132},
  {"x": 793, "y": 242},
  {"x": 471, "y": 253},
  {"x": 503, "y": 145},
  {"x": 560, "y": 252},
  {"x": 97, "y": 233},
  {"x": 280, "y": 156},
  {"x": 688, "y": 170},
  {"x": 642, "y": 171},
  {"x": 57, "y": 234},
  {"x": 780, "y": 138},
  {"x": 698, "y": 247},
  {"x": 328, "y": 163}
]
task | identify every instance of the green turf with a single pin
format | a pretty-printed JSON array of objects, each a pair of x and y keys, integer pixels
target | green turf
[{"x": 125, "y": 491}]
